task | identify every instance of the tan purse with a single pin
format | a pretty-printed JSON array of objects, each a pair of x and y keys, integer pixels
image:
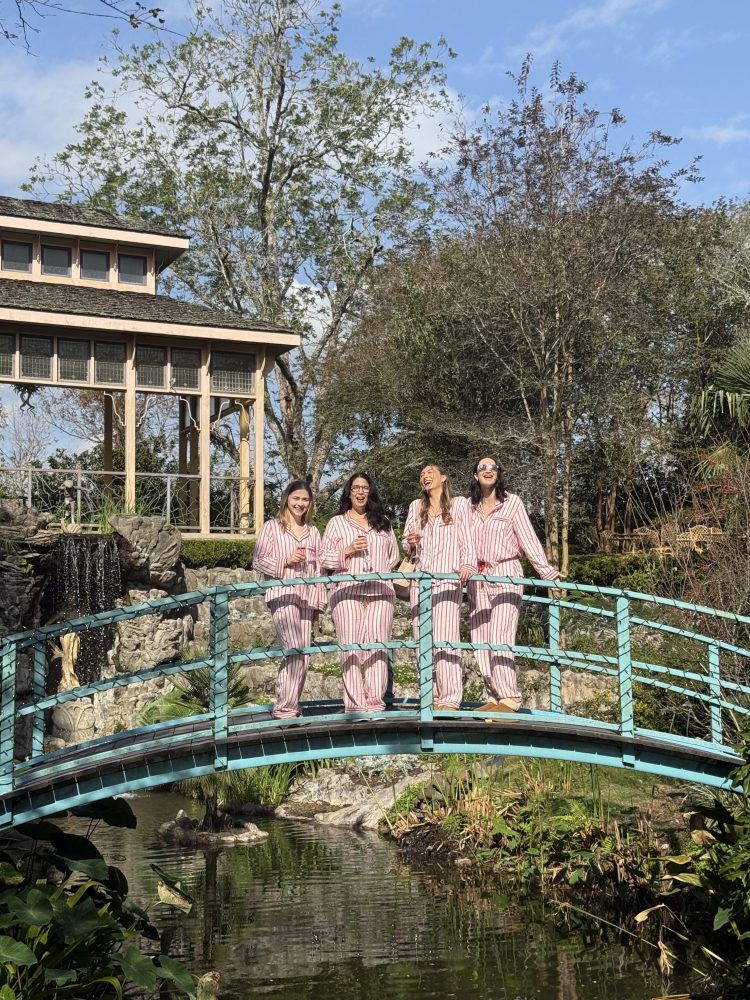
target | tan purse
[{"x": 403, "y": 587}]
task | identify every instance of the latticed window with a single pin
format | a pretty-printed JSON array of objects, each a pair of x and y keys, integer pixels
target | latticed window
[
  {"x": 16, "y": 256},
  {"x": 56, "y": 260},
  {"x": 132, "y": 269},
  {"x": 151, "y": 366},
  {"x": 232, "y": 373},
  {"x": 73, "y": 360},
  {"x": 7, "y": 354},
  {"x": 94, "y": 265},
  {"x": 36, "y": 357},
  {"x": 110, "y": 363},
  {"x": 186, "y": 368}
]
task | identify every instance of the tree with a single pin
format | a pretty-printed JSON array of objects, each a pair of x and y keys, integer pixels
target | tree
[
  {"x": 542, "y": 302},
  {"x": 288, "y": 164},
  {"x": 19, "y": 19}
]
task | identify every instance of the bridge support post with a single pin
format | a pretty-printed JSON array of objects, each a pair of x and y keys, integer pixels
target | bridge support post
[
  {"x": 714, "y": 684},
  {"x": 7, "y": 715},
  {"x": 424, "y": 653},
  {"x": 555, "y": 678},
  {"x": 40, "y": 666},
  {"x": 219, "y": 676},
  {"x": 624, "y": 673}
]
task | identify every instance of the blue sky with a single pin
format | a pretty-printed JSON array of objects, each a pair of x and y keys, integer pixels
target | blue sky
[{"x": 674, "y": 65}]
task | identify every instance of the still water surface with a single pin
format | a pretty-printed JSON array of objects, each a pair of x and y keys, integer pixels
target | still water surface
[{"x": 329, "y": 914}]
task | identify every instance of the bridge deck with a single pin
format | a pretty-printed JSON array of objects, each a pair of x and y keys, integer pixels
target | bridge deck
[{"x": 155, "y": 755}]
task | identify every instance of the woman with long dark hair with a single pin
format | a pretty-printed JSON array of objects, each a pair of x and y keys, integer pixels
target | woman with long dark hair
[
  {"x": 359, "y": 539},
  {"x": 502, "y": 533},
  {"x": 288, "y": 546},
  {"x": 438, "y": 535}
]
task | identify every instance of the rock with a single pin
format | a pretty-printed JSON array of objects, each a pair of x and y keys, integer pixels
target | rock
[
  {"x": 74, "y": 721},
  {"x": 184, "y": 830},
  {"x": 149, "y": 551},
  {"x": 208, "y": 986}
]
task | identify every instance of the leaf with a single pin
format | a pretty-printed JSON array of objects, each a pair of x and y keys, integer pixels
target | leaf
[
  {"x": 96, "y": 868},
  {"x": 112, "y": 811},
  {"x": 173, "y": 896},
  {"x": 137, "y": 967},
  {"x": 176, "y": 972},
  {"x": 644, "y": 914},
  {"x": 35, "y": 908},
  {"x": 15, "y": 952},
  {"x": 6, "y": 993},
  {"x": 40, "y": 830},
  {"x": 722, "y": 917},
  {"x": 689, "y": 878},
  {"x": 9, "y": 875},
  {"x": 73, "y": 847},
  {"x": 60, "y": 977}
]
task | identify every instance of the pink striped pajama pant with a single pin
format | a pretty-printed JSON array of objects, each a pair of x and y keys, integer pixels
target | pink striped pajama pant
[
  {"x": 494, "y": 618},
  {"x": 364, "y": 674},
  {"x": 293, "y": 618},
  {"x": 448, "y": 686}
]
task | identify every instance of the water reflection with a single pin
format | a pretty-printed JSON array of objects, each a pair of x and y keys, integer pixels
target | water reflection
[{"x": 315, "y": 912}]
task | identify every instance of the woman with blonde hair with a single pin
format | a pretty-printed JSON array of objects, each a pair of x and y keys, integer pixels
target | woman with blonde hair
[
  {"x": 438, "y": 535},
  {"x": 288, "y": 546}
]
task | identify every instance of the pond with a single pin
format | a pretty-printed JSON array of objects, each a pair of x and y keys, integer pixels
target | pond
[{"x": 319, "y": 913}]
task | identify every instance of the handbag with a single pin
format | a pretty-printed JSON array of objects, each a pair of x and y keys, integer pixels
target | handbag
[{"x": 403, "y": 587}]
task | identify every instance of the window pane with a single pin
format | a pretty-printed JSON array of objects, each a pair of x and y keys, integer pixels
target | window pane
[
  {"x": 7, "y": 354},
  {"x": 132, "y": 269},
  {"x": 16, "y": 256},
  {"x": 36, "y": 357},
  {"x": 56, "y": 260},
  {"x": 150, "y": 365},
  {"x": 186, "y": 368},
  {"x": 94, "y": 265},
  {"x": 73, "y": 360},
  {"x": 232, "y": 373},
  {"x": 109, "y": 363}
]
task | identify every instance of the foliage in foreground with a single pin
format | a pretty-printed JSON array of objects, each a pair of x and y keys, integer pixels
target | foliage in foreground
[{"x": 67, "y": 925}]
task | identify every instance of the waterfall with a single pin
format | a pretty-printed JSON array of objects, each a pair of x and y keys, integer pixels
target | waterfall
[{"x": 86, "y": 580}]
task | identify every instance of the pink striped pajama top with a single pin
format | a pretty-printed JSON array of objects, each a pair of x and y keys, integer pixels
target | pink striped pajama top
[
  {"x": 380, "y": 557},
  {"x": 274, "y": 546},
  {"x": 503, "y": 536},
  {"x": 443, "y": 548}
]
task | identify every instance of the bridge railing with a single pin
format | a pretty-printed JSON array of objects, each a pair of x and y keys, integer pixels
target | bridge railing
[{"x": 719, "y": 693}]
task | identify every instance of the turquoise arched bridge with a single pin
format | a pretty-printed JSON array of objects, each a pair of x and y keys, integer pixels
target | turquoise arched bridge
[{"x": 701, "y": 676}]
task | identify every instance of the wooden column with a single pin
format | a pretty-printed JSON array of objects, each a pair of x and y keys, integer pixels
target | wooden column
[
  {"x": 265, "y": 364},
  {"x": 109, "y": 430},
  {"x": 204, "y": 445},
  {"x": 130, "y": 426},
  {"x": 244, "y": 513}
]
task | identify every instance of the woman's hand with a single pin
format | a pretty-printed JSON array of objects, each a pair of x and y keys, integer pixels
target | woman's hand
[
  {"x": 465, "y": 572},
  {"x": 412, "y": 539},
  {"x": 296, "y": 557},
  {"x": 358, "y": 546}
]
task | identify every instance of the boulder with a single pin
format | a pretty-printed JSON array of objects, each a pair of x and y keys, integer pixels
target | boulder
[{"x": 149, "y": 551}]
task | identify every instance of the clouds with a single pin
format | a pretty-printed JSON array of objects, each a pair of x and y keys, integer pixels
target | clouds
[
  {"x": 555, "y": 37},
  {"x": 39, "y": 105},
  {"x": 734, "y": 129}
]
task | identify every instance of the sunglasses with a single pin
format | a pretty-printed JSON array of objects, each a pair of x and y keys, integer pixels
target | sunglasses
[{"x": 487, "y": 468}]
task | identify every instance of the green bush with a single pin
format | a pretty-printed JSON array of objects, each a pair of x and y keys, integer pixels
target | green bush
[
  {"x": 609, "y": 570},
  {"x": 235, "y": 554}
]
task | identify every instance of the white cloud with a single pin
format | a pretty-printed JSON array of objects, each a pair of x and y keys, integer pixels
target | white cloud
[
  {"x": 487, "y": 63},
  {"x": 735, "y": 129},
  {"x": 551, "y": 38},
  {"x": 39, "y": 105}
]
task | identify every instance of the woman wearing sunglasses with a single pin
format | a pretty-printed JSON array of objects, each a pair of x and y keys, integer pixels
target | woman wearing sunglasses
[
  {"x": 360, "y": 540},
  {"x": 438, "y": 534},
  {"x": 288, "y": 546},
  {"x": 502, "y": 532}
]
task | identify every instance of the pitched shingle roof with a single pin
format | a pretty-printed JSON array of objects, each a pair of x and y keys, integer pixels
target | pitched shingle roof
[
  {"x": 79, "y": 300},
  {"x": 64, "y": 212}
]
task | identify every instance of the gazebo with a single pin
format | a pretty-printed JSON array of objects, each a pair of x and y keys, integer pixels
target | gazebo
[{"x": 79, "y": 310}]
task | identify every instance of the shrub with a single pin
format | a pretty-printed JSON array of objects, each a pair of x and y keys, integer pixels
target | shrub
[
  {"x": 235, "y": 554},
  {"x": 610, "y": 570}
]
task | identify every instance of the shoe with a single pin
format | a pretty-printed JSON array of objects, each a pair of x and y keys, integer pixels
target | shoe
[
  {"x": 508, "y": 705},
  {"x": 444, "y": 708},
  {"x": 489, "y": 706}
]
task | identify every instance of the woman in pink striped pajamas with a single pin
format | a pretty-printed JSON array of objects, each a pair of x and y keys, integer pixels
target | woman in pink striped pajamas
[
  {"x": 289, "y": 546},
  {"x": 438, "y": 533},
  {"x": 360, "y": 540},
  {"x": 502, "y": 532}
]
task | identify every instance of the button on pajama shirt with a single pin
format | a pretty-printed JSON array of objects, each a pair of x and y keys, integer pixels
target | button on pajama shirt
[
  {"x": 500, "y": 538},
  {"x": 362, "y": 612},
  {"x": 293, "y": 608},
  {"x": 443, "y": 548}
]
